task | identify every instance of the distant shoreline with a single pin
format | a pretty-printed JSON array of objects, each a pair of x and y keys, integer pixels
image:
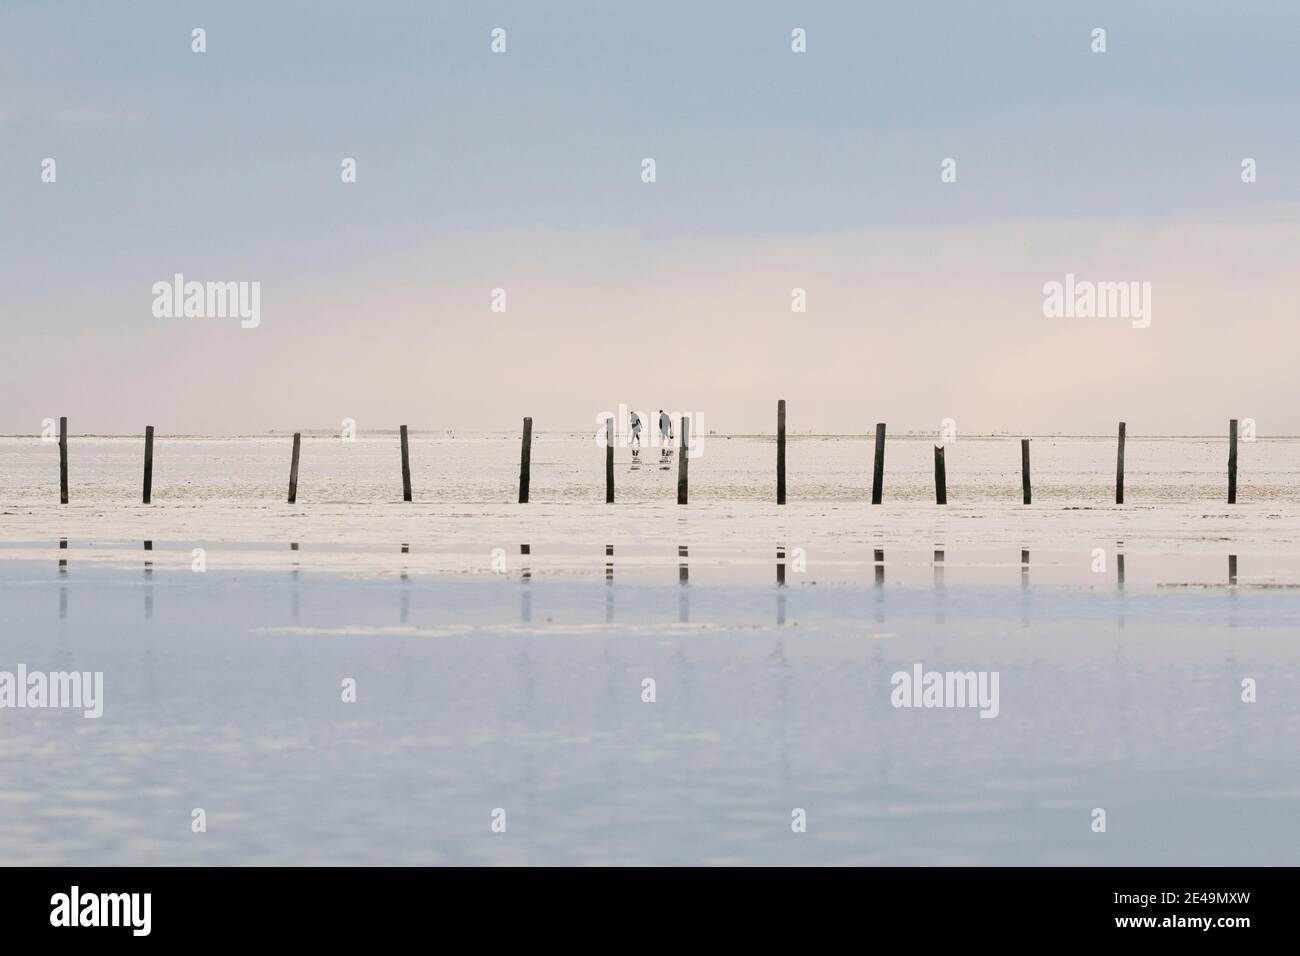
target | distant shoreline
[{"x": 454, "y": 434}]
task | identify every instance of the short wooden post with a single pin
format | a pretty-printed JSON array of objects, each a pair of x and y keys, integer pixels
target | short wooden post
[
  {"x": 1119, "y": 468},
  {"x": 940, "y": 477},
  {"x": 1024, "y": 467},
  {"x": 63, "y": 460},
  {"x": 148, "y": 463},
  {"x": 525, "y": 459},
  {"x": 878, "y": 470},
  {"x": 293, "y": 468},
  {"x": 780, "y": 451},
  {"x": 406, "y": 467},
  {"x": 1231, "y": 462},
  {"x": 682, "y": 460},
  {"x": 609, "y": 460}
]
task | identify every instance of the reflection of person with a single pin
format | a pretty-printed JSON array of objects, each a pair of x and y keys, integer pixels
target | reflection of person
[{"x": 666, "y": 428}]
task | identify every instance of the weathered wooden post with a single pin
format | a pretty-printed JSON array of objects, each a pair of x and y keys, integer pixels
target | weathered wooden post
[
  {"x": 293, "y": 468},
  {"x": 1231, "y": 462},
  {"x": 1119, "y": 468},
  {"x": 1024, "y": 467},
  {"x": 780, "y": 451},
  {"x": 406, "y": 467},
  {"x": 63, "y": 460},
  {"x": 148, "y": 463},
  {"x": 878, "y": 470},
  {"x": 940, "y": 477},
  {"x": 681, "y": 461},
  {"x": 609, "y": 460},
  {"x": 525, "y": 459}
]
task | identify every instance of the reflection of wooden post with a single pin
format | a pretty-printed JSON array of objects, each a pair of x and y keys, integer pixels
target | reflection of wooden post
[
  {"x": 1024, "y": 467},
  {"x": 525, "y": 459},
  {"x": 1119, "y": 469},
  {"x": 609, "y": 460},
  {"x": 878, "y": 470},
  {"x": 940, "y": 477},
  {"x": 293, "y": 468},
  {"x": 63, "y": 460},
  {"x": 406, "y": 468},
  {"x": 1231, "y": 462},
  {"x": 148, "y": 463},
  {"x": 681, "y": 462},
  {"x": 780, "y": 452}
]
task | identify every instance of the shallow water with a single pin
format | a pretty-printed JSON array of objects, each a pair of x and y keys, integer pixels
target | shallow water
[
  {"x": 493, "y": 675},
  {"x": 222, "y": 691}
]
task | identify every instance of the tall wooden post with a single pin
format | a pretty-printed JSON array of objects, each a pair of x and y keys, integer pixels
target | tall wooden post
[
  {"x": 682, "y": 460},
  {"x": 1119, "y": 468},
  {"x": 406, "y": 467},
  {"x": 780, "y": 451},
  {"x": 525, "y": 459},
  {"x": 940, "y": 477},
  {"x": 148, "y": 463},
  {"x": 878, "y": 470},
  {"x": 293, "y": 468},
  {"x": 1024, "y": 467},
  {"x": 1232, "y": 462},
  {"x": 609, "y": 460},
  {"x": 63, "y": 460}
]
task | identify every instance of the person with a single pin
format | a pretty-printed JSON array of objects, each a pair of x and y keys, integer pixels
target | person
[
  {"x": 636, "y": 434},
  {"x": 666, "y": 428}
]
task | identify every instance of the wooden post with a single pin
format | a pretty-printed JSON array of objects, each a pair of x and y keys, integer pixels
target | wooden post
[
  {"x": 1024, "y": 467},
  {"x": 1231, "y": 462},
  {"x": 878, "y": 470},
  {"x": 681, "y": 462},
  {"x": 940, "y": 477},
  {"x": 1119, "y": 468},
  {"x": 63, "y": 460},
  {"x": 525, "y": 459},
  {"x": 780, "y": 451},
  {"x": 406, "y": 467},
  {"x": 293, "y": 468},
  {"x": 609, "y": 460},
  {"x": 148, "y": 463}
]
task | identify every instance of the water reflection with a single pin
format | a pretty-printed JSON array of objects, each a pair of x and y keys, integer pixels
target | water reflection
[
  {"x": 404, "y": 612},
  {"x": 1024, "y": 587},
  {"x": 880, "y": 585},
  {"x": 780, "y": 585},
  {"x": 525, "y": 578},
  {"x": 295, "y": 604},
  {"x": 940, "y": 610},
  {"x": 1232, "y": 590},
  {"x": 683, "y": 578},
  {"x": 609, "y": 580},
  {"x": 148, "y": 587},
  {"x": 1119, "y": 580},
  {"x": 63, "y": 583}
]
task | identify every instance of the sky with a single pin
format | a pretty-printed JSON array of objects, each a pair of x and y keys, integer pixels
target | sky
[{"x": 775, "y": 170}]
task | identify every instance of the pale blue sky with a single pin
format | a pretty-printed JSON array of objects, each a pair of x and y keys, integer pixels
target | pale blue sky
[{"x": 775, "y": 170}]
